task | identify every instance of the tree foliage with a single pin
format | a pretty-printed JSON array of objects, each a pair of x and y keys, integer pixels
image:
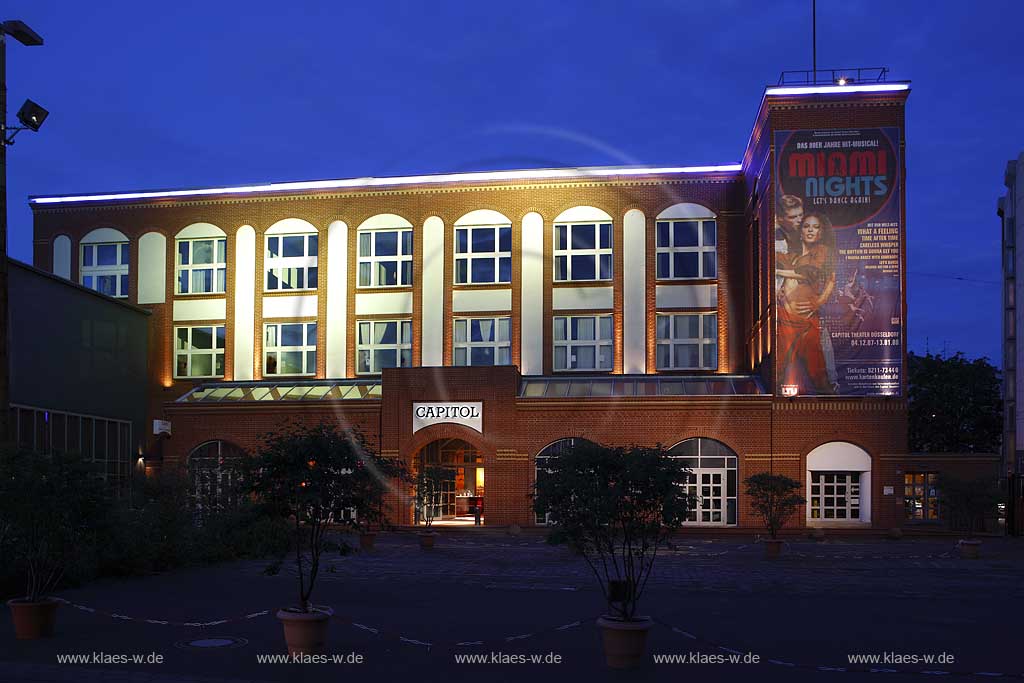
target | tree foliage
[
  {"x": 775, "y": 497},
  {"x": 317, "y": 476},
  {"x": 968, "y": 502},
  {"x": 618, "y": 507},
  {"x": 955, "y": 405}
]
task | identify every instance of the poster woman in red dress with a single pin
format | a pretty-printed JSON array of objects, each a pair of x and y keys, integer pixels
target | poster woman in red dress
[{"x": 808, "y": 280}]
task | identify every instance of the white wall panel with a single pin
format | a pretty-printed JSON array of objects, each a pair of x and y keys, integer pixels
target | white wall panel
[
  {"x": 337, "y": 299},
  {"x": 532, "y": 292},
  {"x": 200, "y": 309},
  {"x": 634, "y": 290},
  {"x": 62, "y": 256},
  {"x": 290, "y": 306},
  {"x": 686, "y": 296},
  {"x": 581, "y": 298},
  {"x": 432, "y": 342},
  {"x": 468, "y": 300},
  {"x": 245, "y": 302},
  {"x": 152, "y": 268},
  {"x": 384, "y": 303}
]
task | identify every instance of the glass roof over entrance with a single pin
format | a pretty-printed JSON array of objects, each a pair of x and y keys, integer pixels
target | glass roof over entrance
[
  {"x": 639, "y": 386},
  {"x": 237, "y": 392}
]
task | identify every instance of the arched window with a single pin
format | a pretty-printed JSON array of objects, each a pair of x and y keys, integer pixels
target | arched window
[
  {"x": 711, "y": 481},
  {"x": 686, "y": 239},
  {"x": 201, "y": 262},
  {"x": 104, "y": 262},
  {"x": 384, "y": 252},
  {"x": 290, "y": 256},
  {"x": 839, "y": 484},
  {"x": 483, "y": 248},
  {"x": 583, "y": 245},
  {"x": 543, "y": 460},
  {"x": 214, "y": 477}
]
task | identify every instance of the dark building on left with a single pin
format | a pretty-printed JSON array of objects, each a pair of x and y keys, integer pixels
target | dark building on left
[{"x": 78, "y": 372}]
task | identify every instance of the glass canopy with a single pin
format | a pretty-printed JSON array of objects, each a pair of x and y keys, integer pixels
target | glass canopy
[
  {"x": 639, "y": 386},
  {"x": 234, "y": 392}
]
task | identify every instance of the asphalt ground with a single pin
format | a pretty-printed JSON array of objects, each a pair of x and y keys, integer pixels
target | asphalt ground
[{"x": 409, "y": 614}]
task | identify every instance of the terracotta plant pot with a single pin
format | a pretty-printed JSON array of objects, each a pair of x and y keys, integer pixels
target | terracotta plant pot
[
  {"x": 33, "y": 620},
  {"x": 970, "y": 549},
  {"x": 772, "y": 548},
  {"x": 366, "y": 540},
  {"x": 427, "y": 540},
  {"x": 305, "y": 632},
  {"x": 624, "y": 641}
]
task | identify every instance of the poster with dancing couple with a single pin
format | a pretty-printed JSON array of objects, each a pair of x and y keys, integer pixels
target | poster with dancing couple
[{"x": 838, "y": 246}]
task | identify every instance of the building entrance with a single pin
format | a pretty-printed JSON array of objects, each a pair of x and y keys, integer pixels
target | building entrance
[{"x": 460, "y": 497}]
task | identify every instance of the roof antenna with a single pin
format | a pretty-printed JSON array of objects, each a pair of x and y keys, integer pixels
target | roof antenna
[{"x": 814, "y": 42}]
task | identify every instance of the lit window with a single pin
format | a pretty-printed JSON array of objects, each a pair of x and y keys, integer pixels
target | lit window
[
  {"x": 290, "y": 349},
  {"x": 105, "y": 268},
  {"x": 383, "y": 344},
  {"x": 583, "y": 342},
  {"x": 385, "y": 258},
  {"x": 920, "y": 495},
  {"x": 710, "y": 480},
  {"x": 687, "y": 250},
  {"x": 835, "y": 495},
  {"x": 687, "y": 341},
  {"x": 291, "y": 262},
  {"x": 483, "y": 341},
  {"x": 199, "y": 351},
  {"x": 583, "y": 252},
  {"x": 483, "y": 255},
  {"x": 202, "y": 266}
]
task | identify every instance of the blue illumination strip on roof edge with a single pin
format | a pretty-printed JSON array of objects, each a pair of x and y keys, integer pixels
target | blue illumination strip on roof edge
[{"x": 439, "y": 179}]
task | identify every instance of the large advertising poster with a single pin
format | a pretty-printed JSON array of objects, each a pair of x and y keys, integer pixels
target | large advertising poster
[{"x": 839, "y": 328}]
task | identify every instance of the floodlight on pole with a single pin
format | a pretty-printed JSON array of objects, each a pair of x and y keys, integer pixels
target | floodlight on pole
[{"x": 31, "y": 117}]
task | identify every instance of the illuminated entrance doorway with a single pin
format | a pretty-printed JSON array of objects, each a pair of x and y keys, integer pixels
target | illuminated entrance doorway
[{"x": 460, "y": 500}]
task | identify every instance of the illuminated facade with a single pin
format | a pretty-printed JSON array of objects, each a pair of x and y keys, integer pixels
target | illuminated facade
[{"x": 479, "y": 321}]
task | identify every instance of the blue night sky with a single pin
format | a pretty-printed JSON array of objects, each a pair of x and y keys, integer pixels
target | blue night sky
[{"x": 146, "y": 95}]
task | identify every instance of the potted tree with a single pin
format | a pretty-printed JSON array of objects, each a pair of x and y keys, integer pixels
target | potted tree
[
  {"x": 429, "y": 485},
  {"x": 311, "y": 475},
  {"x": 618, "y": 507},
  {"x": 775, "y": 497},
  {"x": 967, "y": 504},
  {"x": 49, "y": 506}
]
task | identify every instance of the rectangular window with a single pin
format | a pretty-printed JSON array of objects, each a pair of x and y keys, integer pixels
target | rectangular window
[
  {"x": 835, "y": 495},
  {"x": 383, "y": 344},
  {"x": 482, "y": 341},
  {"x": 202, "y": 266},
  {"x": 687, "y": 249},
  {"x": 483, "y": 255},
  {"x": 583, "y": 342},
  {"x": 687, "y": 341},
  {"x": 291, "y": 262},
  {"x": 583, "y": 252},
  {"x": 289, "y": 349},
  {"x": 105, "y": 268},
  {"x": 199, "y": 351},
  {"x": 385, "y": 258},
  {"x": 920, "y": 496}
]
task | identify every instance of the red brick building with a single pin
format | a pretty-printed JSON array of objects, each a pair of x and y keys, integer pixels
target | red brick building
[{"x": 477, "y": 320}]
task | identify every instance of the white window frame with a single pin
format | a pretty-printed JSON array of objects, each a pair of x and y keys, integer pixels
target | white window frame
[
  {"x": 496, "y": 256},
  {"x": 272, "y": 332},
  {"x": 374, "y": 261},
  {"x": 670, "y": 249},
  {"x": 498, "y": 345},
  {"x": 568, "y": 344},
  {"x": 214, "y": 352},
  {"x": 306, "y": 263},
  {"x": 819, "y": 507},
  {"x": 403, "y": 335},
  {"x": 218, "y": 266},
  {"x": 119, "y": 270},
  {"x": 675, "y": 321},
  {"x": 598, "y": 252}
]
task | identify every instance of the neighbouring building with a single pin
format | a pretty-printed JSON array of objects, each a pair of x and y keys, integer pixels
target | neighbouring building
[
  {"x": 78, "y": 372},
  {"x": 1010, "y": 208},
  {"x": 750, "y": 316}
]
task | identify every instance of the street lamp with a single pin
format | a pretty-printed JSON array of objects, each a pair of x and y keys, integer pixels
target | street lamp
[{"x": 31, "y": 117}]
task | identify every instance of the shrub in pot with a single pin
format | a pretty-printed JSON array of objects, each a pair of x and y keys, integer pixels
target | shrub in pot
[
  {"x": 314, "y": 476},
  {"x": 775, "y": 497},
  {"x": 50, "y": 506},
  {"x": 429, "y": 485},
  {"x": 618, "y": 507},
  {"x": 967, "y": 504}
]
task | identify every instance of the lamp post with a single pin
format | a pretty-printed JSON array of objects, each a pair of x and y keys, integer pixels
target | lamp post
[{"x": 30, "y": 120}]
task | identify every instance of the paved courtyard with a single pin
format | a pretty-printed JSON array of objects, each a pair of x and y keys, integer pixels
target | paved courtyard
[{"x": 412, "y": 614}]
